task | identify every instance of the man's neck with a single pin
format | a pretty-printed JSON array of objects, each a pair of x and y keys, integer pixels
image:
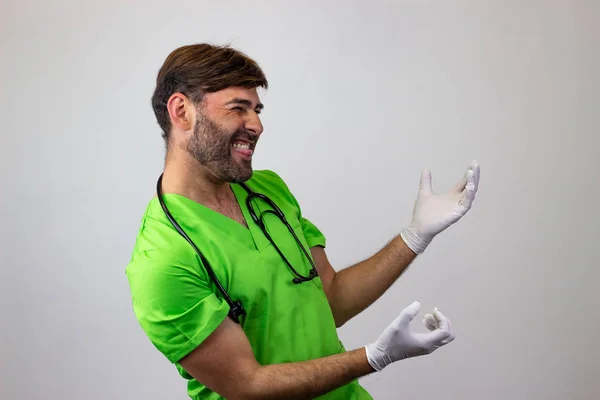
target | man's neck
[{"x": 186, "y": 177}]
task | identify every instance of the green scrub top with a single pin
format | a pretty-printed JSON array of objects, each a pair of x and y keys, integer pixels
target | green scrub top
[{"x": 178, "y": 305}]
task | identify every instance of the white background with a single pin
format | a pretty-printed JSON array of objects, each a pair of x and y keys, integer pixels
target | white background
[{"x": 363, "y": 96}]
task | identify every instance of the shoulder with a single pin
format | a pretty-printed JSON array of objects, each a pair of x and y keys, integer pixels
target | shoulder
[
  {"x": 159, "y": 253},
  {"x": 271, "y": 181},
  {"x": 267, "y": 179},
  {"x": 271, "y": 184},
  {"x": 157, "y": 241}
]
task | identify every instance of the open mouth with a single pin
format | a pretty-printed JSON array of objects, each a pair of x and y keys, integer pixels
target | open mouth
[{"x": 243, "y": 148}]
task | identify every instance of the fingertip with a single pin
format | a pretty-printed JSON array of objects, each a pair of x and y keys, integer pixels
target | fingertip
[
  {"x": 442, "y": 320},
  {"x": 471, "y": 186},
  {"x": 425, "y": 182},
  {"x": 470, "y": 176},
  {"x": 416, "y": 306},
  {"x": 430, "y": 322},
  {"x": 410, "y": 311},
  {"x": 476, "y": 171},
  {"x": 426, "y": 175}
]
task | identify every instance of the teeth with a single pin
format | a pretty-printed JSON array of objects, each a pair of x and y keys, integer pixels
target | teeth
[{"x": 241, "y": 146}]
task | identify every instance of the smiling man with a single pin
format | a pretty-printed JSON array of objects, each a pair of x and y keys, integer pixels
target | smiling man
[{"x": 231, "y": 282}]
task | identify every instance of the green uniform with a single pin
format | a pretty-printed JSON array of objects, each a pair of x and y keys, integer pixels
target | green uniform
[{"x": 178, "y": 305}]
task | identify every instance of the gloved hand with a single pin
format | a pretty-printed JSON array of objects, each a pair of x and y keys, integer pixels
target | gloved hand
[
  {"x": 397, "y": 342},
  {"x": 433, "y": 213}
]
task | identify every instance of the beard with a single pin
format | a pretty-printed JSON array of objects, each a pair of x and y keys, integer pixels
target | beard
[{"x": 211, "y": 146}]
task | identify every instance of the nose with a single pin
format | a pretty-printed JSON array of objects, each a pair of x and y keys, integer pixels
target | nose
[{"x": 253, "y": 124}]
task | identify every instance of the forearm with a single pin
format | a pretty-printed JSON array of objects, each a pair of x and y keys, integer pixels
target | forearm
[
  {"x": 308, "y": 379},
  {"x": 356, "y": 287}
]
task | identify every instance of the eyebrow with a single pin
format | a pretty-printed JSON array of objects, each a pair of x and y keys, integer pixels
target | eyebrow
[{"x": 245, "y": 102}]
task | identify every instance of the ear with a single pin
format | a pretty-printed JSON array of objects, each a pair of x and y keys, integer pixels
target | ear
[{"x": 182, "y": 111}]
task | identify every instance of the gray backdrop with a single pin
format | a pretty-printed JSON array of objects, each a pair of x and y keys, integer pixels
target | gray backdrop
[{"x": 363, "y": 96}]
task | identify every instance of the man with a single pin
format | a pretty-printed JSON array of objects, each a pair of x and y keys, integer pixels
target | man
[{"x": 263, "y": 326}]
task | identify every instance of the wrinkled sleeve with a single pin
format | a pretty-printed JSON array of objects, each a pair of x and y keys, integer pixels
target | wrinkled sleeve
[
  {"x": 314, "y": 237},
  {"x": 173, "y": 304}
]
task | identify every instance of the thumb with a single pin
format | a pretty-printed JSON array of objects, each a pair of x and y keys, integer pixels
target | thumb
[
  {"x": 442, "y": 321},
  {"x": 425, "y": 184},
  {"x": 409, "y": 312},
  {"x": 430, "y": 322},
  {"x": 444, "y": 325}
]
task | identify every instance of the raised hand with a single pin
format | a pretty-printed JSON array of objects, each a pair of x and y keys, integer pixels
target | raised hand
[{"x": 433, "y": 213}]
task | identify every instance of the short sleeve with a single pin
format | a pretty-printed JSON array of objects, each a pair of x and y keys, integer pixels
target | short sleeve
[
  {"x": 314, "y": 236},
  {"x": 173, "y": 304}
]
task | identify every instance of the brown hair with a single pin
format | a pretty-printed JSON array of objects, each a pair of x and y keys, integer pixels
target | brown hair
[{"x": 197, "y": 69}]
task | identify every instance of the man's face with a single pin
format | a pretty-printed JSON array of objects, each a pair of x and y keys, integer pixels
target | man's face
[{"x": 226, "y": 131}]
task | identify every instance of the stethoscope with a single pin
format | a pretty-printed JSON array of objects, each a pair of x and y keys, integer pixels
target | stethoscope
[{"x": 236, "y": 309}]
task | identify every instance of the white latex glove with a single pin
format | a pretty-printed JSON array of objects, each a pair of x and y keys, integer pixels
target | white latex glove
[
  {"x": 433, "y": 213},
  {"x": 397, "y": 342}
]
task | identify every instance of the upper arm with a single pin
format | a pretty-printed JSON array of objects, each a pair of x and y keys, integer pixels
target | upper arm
[
  {"x": 189, "y": 325},
  {"x": 173, "y": 303},
  {"x": 324, "y": 268},
  {"x": 224, "y": 361}
]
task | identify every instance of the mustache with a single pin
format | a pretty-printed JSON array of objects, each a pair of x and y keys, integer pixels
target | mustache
[{"x": 245, "y": 135}]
